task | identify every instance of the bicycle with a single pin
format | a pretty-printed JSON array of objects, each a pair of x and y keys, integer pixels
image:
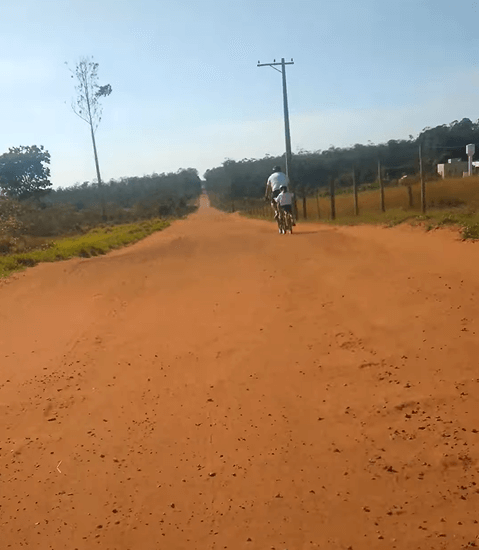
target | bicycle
[{"x": 285, "y": 221}]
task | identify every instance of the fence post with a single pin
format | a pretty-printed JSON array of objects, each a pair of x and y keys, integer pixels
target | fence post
[
  {"x": 304, "y": 206},
  {"x": 381, "y": 187},
  {"x": 355, "y": 191},
  {"x": 333, "y": 202},
  {"x": 423, "y": 183},
  {"x": 409, "y": 192},
  {"x": 294, "y": 190},
  {"x": 317, "y": 203}
]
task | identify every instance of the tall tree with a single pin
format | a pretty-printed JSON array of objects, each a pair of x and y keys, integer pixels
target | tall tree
[
  {"x": 24, "y": 172},
  {"x": 87, "y": 104}
]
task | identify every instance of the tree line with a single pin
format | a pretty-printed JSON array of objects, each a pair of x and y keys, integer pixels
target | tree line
[
  {"x": 25, "y": 173},
  {"x": 125, "y": 192},
  {"x": 312, "y": 171}
]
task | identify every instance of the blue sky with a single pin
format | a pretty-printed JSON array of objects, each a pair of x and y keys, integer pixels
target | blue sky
[{"x": 187, "y": 91}]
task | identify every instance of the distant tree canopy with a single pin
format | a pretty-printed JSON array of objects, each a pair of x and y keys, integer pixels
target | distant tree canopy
[
  {"x": 24, "y": 172},
  {"x": 159, "y": 191},
  {"x": 312, "y": 171}
]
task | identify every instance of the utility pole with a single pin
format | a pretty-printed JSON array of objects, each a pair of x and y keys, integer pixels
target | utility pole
[
  {"x": 287, "y": 134},
  {"x": 283, "y": 64}
]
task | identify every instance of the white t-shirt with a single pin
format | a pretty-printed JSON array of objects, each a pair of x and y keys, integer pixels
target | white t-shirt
[
  {"x": 277, "y": 179},
  {"x": 285, "y": 198}
]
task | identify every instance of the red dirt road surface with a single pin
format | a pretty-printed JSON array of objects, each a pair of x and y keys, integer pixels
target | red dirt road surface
[{"x": 220, "y": 386}]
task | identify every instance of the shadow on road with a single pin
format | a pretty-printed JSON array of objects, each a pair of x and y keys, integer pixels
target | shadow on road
[{"x": 308, "y": 232}]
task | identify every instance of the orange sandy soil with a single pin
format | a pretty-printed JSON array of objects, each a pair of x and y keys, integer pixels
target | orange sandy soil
[{"x": 220, "y": 386}]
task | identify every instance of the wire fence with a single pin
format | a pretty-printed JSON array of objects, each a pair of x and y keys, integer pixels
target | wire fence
[
  {"x": 412, "y": 193},
  {"x": 406, "y": 195}
]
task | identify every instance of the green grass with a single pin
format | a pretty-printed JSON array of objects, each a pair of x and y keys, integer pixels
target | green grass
[
  {"x": 470, "y": 231},
  {"x": 97, "y": 241}
]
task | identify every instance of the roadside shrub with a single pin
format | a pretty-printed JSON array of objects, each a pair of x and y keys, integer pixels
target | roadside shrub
[
  {"x": 10, "y": 224},
  {"x": 31, "y": 224},
  {"x": 471, "y": 231},
  {"x": 48, "y": 222},
  {"x": 450, "y": 219}
]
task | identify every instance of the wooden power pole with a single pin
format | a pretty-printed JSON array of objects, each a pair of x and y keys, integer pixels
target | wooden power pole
[{"x": 287, "y": 134}]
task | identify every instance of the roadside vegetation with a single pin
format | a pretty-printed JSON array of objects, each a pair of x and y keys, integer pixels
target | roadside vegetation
[
  {"x": 451, "y": 202},
  {"x": 93, "y": 243},
  {"x": 38, "y": 223}
]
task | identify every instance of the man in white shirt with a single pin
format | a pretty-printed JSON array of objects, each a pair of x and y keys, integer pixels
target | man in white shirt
[{"x": 273, "y": 186}]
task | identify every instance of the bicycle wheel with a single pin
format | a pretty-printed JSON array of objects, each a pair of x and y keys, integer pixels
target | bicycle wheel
[
  {"x": 280, "y": 222},
  {"x": 289, "y": 223}
]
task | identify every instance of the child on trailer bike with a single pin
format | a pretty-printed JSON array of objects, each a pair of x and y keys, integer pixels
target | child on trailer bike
[{"x": 285, "y": 201}]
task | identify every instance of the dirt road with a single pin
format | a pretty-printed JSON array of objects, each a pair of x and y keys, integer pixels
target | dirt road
[{"x": 219, "y": 386}]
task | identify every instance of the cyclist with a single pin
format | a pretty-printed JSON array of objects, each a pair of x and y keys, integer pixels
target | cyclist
[
  {"x": 285, "y": 200},
  {"x": 273, "y": 186}
]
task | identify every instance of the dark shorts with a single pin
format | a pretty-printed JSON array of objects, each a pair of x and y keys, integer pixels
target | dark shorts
[{"x": 287, "y": 208}]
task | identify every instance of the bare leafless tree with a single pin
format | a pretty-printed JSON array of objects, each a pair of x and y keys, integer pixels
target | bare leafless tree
[{"x": 87, "y": 104}]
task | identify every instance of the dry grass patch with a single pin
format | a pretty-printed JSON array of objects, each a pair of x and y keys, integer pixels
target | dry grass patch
[
  {"x": 441, "y": 194},
  {"x": 450, "y": 202}
]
